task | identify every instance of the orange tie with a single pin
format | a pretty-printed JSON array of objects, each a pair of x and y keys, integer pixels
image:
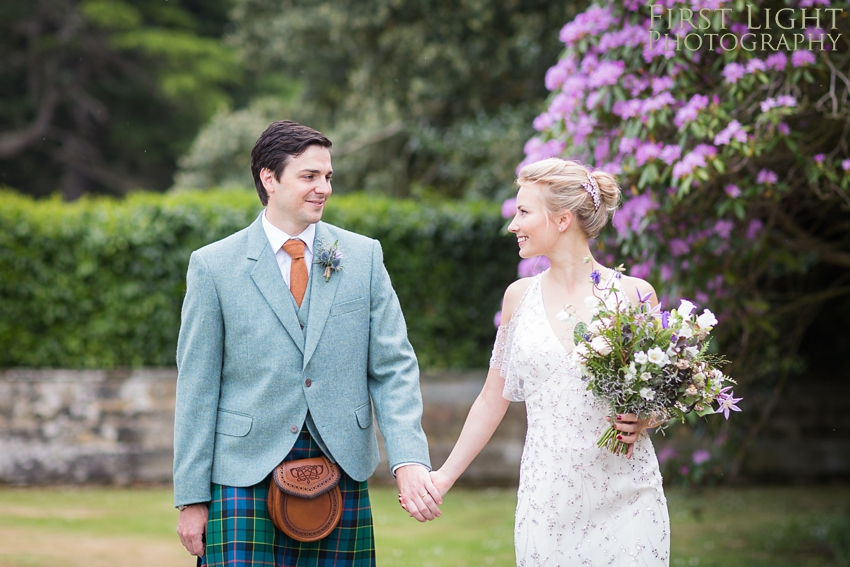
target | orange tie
[{"x": 298, "y": 269}]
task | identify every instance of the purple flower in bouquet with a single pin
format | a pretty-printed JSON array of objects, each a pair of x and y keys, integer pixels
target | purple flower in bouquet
[
  {"x": 595, "y": 277},
  {"x": 727, "y": 402}
]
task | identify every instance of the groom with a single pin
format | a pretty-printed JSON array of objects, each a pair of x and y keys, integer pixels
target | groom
[{"x": 280, "y": 358}]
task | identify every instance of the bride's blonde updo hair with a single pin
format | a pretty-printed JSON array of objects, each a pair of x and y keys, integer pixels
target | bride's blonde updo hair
[{"x": 562, "y": 180}]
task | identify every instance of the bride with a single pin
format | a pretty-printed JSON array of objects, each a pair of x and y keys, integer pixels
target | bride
[{"x": 577, "y": 504}]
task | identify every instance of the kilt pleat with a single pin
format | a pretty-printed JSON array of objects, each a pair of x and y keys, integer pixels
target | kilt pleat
[{"x": 240, "y": 532}]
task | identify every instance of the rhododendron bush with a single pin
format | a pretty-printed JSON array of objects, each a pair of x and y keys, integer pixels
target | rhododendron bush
[{"x": 727, "y": 124}]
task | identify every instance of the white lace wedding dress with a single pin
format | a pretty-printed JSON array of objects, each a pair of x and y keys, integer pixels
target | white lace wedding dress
[{"x": 578, "y": 505}]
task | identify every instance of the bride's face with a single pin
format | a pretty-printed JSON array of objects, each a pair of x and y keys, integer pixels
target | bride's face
[{"x": 535, "y": 230}]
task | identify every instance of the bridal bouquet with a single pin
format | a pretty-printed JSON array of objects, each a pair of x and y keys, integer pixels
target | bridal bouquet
[{"x": 650, "y": 363}]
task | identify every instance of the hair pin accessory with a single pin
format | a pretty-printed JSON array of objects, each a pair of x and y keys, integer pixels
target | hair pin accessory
[{"x": 593, "y": 189}]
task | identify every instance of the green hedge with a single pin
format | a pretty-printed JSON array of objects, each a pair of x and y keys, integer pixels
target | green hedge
[{"x": 98, "y": 283}]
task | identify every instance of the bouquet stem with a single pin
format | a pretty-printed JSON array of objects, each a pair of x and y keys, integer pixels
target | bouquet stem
[{"x": 609, "y": 441}]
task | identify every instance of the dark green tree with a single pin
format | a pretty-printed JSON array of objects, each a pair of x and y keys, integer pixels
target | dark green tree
[
  {"x": 417, "y": 95},
  {"x": 103, "y": 95}
]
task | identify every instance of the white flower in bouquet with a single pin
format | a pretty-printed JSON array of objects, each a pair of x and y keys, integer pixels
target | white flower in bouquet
[
  {"x": 567, "y": 315},
  {"x": 594, "y": 304},
  {"x": 647, "y": 394},
  {"x": 640, "y": 357},
  {"x": 580, "y": 353},
  {"x": 601, "y": 345},
  {"x": 692, "y": 351},
  {"x": 685, "y": 309},
  {"x": 657, "y": 356},
  {"x": 706, "y": 321},
  {"x": 685, "y": 331},
  {"x": 646, "y": 376}
]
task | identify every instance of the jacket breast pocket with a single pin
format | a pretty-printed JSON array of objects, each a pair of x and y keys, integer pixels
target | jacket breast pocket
[
  {"x": 233, "y": 424},
  {"x": 348, "y": 307}
]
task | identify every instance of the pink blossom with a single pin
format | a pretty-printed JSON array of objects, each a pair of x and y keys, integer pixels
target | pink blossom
[
  {"x": 657, "y": 102},
  {"x": 666, "y": 453},
  {"x": 556, "y": 76},
  {"x": 766, "y": 176},
  {"x": 626, "y": 109},
  {"x": 801, "y": 58},
  {"x": 754, "y": 229},
  {"x": 532, "y": 266},
  {"x": 733, "y": 72},
  {"x": 641, "y": 271},
  {"x": 635, "y": 85},
  {"x": 628, "y": 145},
  {"x": 810, "y": 3},
  {"x": 632, "y": 212},
  {"x": 632, "y": 5},
  {"x": 732, "y": 131},
  {"x": 755, "y": 65},
  {"x": 606, "y": 73},
  {"x": 723, "y": 228},
  {"x": 660, "y": 84},
  {"x": 666, "y": 272},
  {"x": 497, "y": 319},
  {"x": 562, "y": 105},
  {"x": 700, "y": 456},
  {"x": 588, "y": 63},
  {"x": 778, "y": 61},
  {"x": 696, "y": 158},
  {"x": 688, "y": 113},
  {"x": 509, "y": 208},
  {"x": 679, "y": 247},
  {"x": 646, "y": 152},
  {"x": 581, "y": 129},
  {"x": 845, "y": 164},
  {"x": 594, "y": 20},
  {"x": 601, "y": 149},
  {"x": 697, "y": 5},
  {"x": 784, "y": 100},
  {"x": 705, "y": 150},
  {"x": 575, "y": 84},
  {"x": 544, "y": 121},
  {"x": 670, "y": 154},
  {"x": 819, "y": 158},
  {"x": 733, "y": 191},
  {"x": 783, "y": 128}
]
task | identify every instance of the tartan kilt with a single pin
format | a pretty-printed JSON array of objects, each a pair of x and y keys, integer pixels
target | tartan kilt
[{"x": 240, "y": 532}]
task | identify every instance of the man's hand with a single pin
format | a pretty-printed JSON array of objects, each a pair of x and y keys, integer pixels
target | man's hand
[
  {"x": 417, "y": 494},
  {"x": 191, "y": 526}
]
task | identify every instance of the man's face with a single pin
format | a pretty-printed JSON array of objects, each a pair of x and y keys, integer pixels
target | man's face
[{"x": 298, "y": 198}]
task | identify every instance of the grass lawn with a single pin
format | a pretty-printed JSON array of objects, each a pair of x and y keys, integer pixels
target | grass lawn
[{"x": 729, "y": 527}]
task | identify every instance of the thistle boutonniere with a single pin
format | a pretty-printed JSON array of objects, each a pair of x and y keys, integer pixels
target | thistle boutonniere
[{"x": 329, "y": 257}]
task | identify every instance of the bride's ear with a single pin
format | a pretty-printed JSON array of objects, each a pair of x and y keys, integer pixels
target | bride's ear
[{"x": 565, "y": 219}]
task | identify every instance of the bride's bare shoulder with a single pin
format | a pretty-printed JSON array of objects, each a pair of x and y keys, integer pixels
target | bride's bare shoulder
[{"x": 513, "y": 295}]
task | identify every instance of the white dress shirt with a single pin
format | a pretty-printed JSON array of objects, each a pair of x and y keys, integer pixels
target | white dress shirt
[{"x": 277, "y": 238}]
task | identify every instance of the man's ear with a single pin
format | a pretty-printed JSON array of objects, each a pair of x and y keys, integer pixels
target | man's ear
[{"x": 268, "y": 178}]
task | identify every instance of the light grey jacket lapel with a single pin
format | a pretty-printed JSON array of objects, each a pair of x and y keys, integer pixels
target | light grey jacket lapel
[
  {"x": 267, "y": 277},
  {"x": 322, "y": 293}
]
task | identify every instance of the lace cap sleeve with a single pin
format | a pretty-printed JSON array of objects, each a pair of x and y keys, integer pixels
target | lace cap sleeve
[{"x": 502, "y": 358}]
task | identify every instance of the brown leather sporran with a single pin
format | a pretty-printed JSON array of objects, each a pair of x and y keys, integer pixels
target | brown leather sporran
[{"x": 304, "y": 500}]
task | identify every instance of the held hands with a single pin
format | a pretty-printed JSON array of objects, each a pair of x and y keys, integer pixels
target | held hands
[
  {"x": 417, "y": 493},
  {"x": 630, "y": 427},
  {"x": 191, "y": 526}
]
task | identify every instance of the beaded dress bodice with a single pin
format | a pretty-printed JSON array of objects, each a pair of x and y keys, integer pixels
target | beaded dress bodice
[{"x": 577, "y": 504}]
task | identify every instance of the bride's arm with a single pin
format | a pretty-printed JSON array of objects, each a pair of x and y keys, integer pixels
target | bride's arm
[
  {"x": 483, "y": 419},
  {"x": 487, "y": 411}
]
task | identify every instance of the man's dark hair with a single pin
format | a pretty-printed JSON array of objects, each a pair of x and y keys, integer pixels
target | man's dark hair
[{"x": 277, "y": 145}]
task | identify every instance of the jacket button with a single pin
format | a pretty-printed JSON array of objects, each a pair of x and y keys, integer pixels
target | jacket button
[
  {"x": 308, "y": 382},
  {"x": 294, "y": 429}
]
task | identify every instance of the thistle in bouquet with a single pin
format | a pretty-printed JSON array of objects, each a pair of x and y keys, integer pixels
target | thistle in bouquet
[{"x": 654, "y": 364}]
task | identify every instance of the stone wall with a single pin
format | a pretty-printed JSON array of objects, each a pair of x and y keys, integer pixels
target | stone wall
[{"x": 60, "y": 426}]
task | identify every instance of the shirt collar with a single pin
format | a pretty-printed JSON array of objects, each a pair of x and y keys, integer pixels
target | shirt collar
[{"x": 277, "y": 237}]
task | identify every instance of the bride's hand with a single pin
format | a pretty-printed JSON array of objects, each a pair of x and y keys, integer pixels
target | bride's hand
[
  {"x": 630, "y": 427},
  {"x": 442, "y": 481}
]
